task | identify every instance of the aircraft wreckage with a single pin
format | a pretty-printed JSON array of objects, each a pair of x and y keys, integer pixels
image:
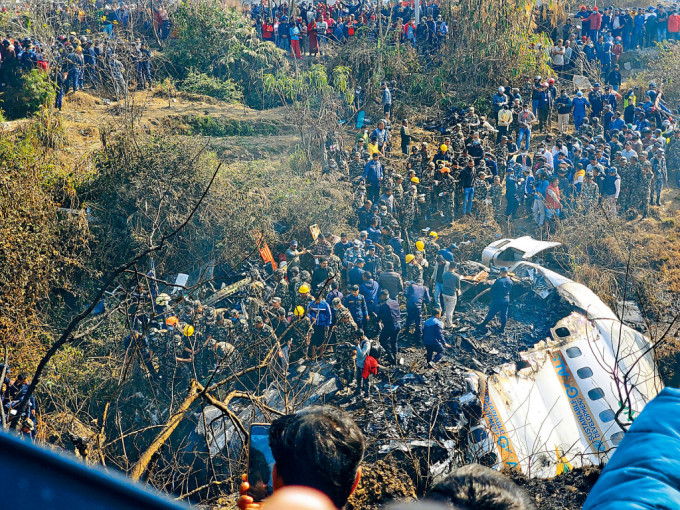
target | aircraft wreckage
[{"x": 578, "y": 376}]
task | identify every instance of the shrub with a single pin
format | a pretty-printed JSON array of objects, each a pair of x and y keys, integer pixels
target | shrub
[
  {"x": 201, "y": 83},
  {"x": 34, "y": 92}
]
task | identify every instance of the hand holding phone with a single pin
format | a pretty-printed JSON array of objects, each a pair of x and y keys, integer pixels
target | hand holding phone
[{"x": 260, "y": 462}]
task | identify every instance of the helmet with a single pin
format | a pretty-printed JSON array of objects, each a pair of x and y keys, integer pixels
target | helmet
[
  {"x": 434, "y": 234},
  {"x": 652, "y": 85},
  {"x": 415, "y": 180},
  {"x": 537, "y": 78},
  {"x": 501, "y": 90},
  {"x": 188, "y": 330},
  {"x": 304, "y": 289},
  {"x": 443, "y": 147},
  {"x": 172, "y": 321},
  {"x": 299, "y": 311},
  {"x": 551, "y": 80},
  {"x": 409, "y": 258},
  {"x": 420, "y": 245}
]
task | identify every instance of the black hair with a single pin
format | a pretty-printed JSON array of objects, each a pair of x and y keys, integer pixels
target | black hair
[
  {"x": 480, "y": 488},
  {"x": 319, "y": 447}
]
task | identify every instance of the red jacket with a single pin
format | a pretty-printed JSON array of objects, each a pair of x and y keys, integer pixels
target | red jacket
[
  {"x": 370, "y": 367},
  {"x": 552, "y": 200},
  {"x": 595, "y": 20},
  {"x": 674, "y": 23}
]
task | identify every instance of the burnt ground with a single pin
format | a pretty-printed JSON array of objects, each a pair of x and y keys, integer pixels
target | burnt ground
[{"x": 415, "y": 424}]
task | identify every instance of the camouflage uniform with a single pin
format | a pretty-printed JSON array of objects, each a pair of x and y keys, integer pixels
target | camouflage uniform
[
  {"x": 356, "y": 168},
  {"x": 629, "y": 177},
  {"x": 390, "y": 256},
  {"x": 344, "y": 333},
  {"x": 398, "y": 192},
  {"x": 414, "y": 161},
  {"x": 501, "y": 158},
  {"x": 335, "y": 266},
  {"x": 673, "y": 159},
  {"x": 496, "y": 195},
  {"x": 282, "y": 291},
  {"x": 409, "y": 209},
  {"x": 640, "y": 199},
  {"x": 589, "y": 196},
  {"x": 359, "y": 197},
  {"x": 414, "y": 272}
]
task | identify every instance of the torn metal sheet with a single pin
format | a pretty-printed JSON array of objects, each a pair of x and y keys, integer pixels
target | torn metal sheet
[{"x": 506, "y": 252}]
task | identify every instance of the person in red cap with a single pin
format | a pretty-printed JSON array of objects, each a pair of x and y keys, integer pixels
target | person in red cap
[{"x": 595, "y": 19}]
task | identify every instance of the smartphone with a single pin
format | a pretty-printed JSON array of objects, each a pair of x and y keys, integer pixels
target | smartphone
[{"x": 260, "y": 462}]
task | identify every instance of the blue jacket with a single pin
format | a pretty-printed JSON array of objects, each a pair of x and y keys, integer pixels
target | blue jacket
[
  {"x": 321, "y": 312},
  {"x": 389, "y": 314},
  {"x": 500, "y": 290},
  {"x": 357, "y": 307},
  {"x": 644, "y": 471},
  {"x": 433, "y": 332},
  {"x": 369, "y": 289},
  {"x": 354, "y": 275},
  {"x": 416, "y": 295},
  {"x": 373, "y": 171}
]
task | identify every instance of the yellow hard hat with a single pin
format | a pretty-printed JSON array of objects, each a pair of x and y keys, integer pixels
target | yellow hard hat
[
  {"x": 188, "y": 330},
  {"x": 434, "y": 234},
  {"x": 420, "y": 245},
  {"x": 415, "y": 180},
  {"x": 299, "y": 311},
  {"x": 304, "y": 289},
  {"x": 409, "y": 257},
  {"x": 443, "y": 147}
]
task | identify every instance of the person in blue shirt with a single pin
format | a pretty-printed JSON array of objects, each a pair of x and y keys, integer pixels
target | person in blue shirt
[
  {"x": 580, "y": 104},
  {"x": 390, "y": 317},
  {"x": 320, "y": 315},
  {"x": 373, "y": 176},
  {"x": 433, "y": 338},
  {"x": 500, "y": 300}
]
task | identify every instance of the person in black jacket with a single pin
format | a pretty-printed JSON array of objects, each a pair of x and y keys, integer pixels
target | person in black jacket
[
  {"x": 390, "y": 317},
  {"x": 467, "y": 181}
]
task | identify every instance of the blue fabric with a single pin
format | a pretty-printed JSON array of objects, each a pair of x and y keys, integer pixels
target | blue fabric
[{"x": 644, "y": 471}]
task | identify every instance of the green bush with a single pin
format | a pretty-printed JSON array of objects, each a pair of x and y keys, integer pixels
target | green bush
[
  {"x": 201, "y": 83},
  {"x": 35, "y": 92}
]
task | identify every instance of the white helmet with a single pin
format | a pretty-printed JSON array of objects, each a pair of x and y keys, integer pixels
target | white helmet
[{"x": 501, "y": 90}]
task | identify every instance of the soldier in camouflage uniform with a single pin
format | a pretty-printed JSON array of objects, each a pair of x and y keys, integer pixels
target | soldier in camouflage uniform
[
  {"x": 425, "y": 157},
  {"x": 254, "y": 302},
  {"x": 281, "y": 289},
  {"x": 387, "y": 220},
  {"x": 446, "y": 187},
  {"x": 414, "y": 159},
  {"x": 502, "y": 156},
  {"x": 299, "y": 333},
  {"x": 241, "y": 330},
  {"x": 335, "y": 266},
  {"x": 356, "y": 166},
  {"x": 409, "y": 208},
  {"x": 496, "y": 195},
  {"x": 660, "y": 175},
  {"x": 398, "y": 190},
  {"x": 414, "y": 271},
  {"x": 590, "y": 194},
  {"x": 390, "y": 256},
  {"x": 629, "y": 174},
  {"x": 293, "y": 283},
  {"x": 343, "y": 333},
  {"x": 643, "y": 190},
  {"x": 673, "y": 158},
  {"x": 359, "y": 197}
]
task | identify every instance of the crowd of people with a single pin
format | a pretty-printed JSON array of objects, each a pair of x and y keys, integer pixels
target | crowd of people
[
  {"x": 307, "y": 28},
  {"x": 77, "y": 62}
]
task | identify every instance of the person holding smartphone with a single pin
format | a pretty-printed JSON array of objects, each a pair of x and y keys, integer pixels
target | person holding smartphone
[{"x": 320, "y": 447}]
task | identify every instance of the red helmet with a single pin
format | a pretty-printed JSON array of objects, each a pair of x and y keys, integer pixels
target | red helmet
[{"x": 551, "y": 81}]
